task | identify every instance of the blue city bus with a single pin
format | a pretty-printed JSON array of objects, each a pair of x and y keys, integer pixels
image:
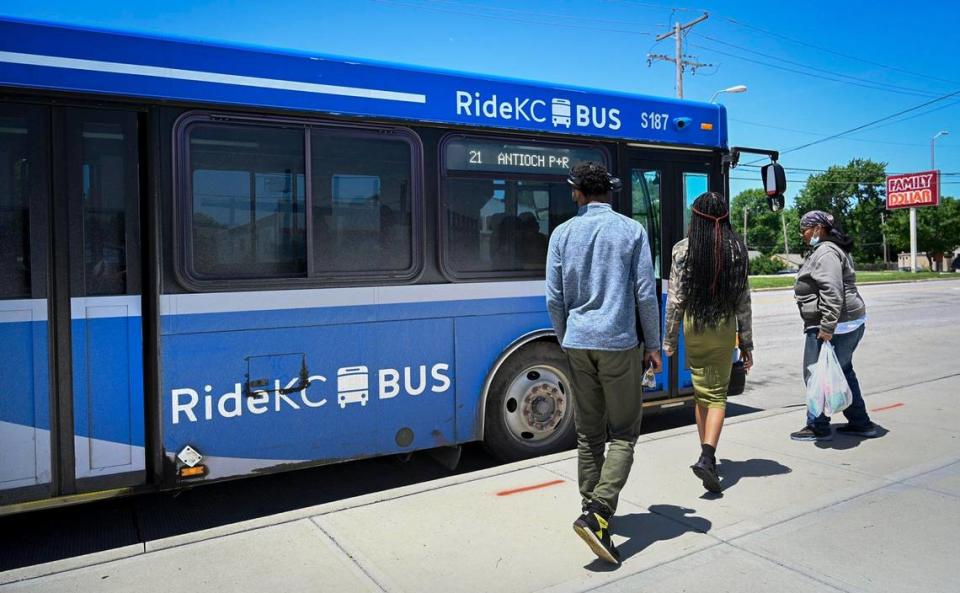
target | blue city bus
[{"x": 218, "y": 261}]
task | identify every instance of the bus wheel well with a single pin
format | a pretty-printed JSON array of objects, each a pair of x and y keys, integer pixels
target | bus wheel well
[
  {"x": 540, "y": 336},
  {"x": 528, "y": 401}
]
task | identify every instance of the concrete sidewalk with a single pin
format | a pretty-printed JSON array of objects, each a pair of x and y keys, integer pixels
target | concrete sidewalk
[{"x": 847, "y": 515}]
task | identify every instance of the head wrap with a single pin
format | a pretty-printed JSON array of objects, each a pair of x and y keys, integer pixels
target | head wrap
[
  {"x": 834, "y": 232},
  {"x": 817, "y": 218}
]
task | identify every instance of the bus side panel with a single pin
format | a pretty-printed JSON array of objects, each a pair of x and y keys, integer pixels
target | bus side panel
[
  {"x": 684, "y": 377},
  {"x": 375, "y": 388},
  {"x": 479, "y": 341},
  {"x": 24, "y": 399},
  {"x": 108, "y": 386}
]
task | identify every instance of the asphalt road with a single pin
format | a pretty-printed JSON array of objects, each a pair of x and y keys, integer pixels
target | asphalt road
[{"x": 913, "y": 336}]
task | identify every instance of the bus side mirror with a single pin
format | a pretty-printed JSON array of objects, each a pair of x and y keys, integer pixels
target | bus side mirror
[{"x": 775, "y": 184}]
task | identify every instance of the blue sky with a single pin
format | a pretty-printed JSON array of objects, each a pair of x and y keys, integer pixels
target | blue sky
[{"x": 813, "y": 68}]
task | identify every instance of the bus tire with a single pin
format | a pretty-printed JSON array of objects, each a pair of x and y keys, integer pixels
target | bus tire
[{"x": 529, "y": 408}]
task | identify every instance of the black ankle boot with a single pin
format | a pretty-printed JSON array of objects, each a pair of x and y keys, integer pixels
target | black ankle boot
[{"x": 706, "y": 469}]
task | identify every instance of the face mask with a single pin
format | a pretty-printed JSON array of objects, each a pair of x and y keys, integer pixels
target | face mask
[{"x": 814, "y": 240}]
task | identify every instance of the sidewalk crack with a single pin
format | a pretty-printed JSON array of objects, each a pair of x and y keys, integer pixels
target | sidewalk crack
[
  {"x": 346, "y": 554},
  {"x": 788, "y": 567}
]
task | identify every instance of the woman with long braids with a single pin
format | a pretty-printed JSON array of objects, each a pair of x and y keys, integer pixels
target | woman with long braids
[{"x": 710, "y": 296}]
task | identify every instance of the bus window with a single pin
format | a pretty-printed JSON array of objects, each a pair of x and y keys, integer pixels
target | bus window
[
  {"x": 362, "y": 212},
  {"x": 646, "y": 207},
  {"x": 104, "y": 194},
  {"x": 503, "y": 225},
  {"x": 247, "y": 189},
  {"x": 694, "y": 184},
  {"x": 501, "y": 202},
  {"x": 22, "y": 142}
]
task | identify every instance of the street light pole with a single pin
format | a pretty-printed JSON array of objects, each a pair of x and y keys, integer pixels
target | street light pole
[
  {"x": 913, "y": 239},
  {"x": 740, "y": 88},
  {"x": 913, "y": 211}
]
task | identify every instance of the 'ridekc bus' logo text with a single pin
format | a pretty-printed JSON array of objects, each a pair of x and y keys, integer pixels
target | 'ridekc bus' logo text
[
  {"x": 353, "y": 386},
  {"x": 559, "y": 112}
]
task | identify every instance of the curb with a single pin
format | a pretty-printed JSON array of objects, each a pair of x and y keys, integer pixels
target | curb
[{"x": 868, "y": 283}]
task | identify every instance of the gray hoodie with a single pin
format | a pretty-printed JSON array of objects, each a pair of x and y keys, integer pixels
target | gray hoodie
[{"x": 826, "y": 289}]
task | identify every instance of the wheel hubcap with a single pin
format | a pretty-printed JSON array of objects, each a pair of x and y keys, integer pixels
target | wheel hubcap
[{"x": 536, "y": 404}]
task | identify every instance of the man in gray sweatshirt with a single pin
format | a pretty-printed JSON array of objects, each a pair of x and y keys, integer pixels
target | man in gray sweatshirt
[{"x": 599, "y": 277}]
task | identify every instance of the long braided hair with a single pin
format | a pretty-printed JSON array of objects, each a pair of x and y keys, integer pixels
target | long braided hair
[{"x": 717, "y": 263}]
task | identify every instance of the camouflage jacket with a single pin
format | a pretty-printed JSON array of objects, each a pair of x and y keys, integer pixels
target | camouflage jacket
[{"x": 677, "y": 304}]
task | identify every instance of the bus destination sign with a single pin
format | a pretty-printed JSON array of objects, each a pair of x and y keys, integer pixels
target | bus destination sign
[{"x": 467, "y": 154}]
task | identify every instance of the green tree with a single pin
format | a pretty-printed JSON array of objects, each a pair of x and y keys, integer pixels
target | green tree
[
  {"x": 855, "y": 194},
  {"x": 938, "y": 228},
  {"x": 765, "y": 265},
  {"x": 764, "y": 228}
]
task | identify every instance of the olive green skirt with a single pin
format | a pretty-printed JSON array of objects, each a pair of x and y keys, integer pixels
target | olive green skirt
[{"x": 710, "y": 358}]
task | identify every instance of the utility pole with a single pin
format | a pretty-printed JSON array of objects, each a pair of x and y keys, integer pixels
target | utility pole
[
  {"x": 746, "y": 212},
  {"x": 883, "y": 235},
  {"x": 783, "y": 219},
  {"x": 678, "y": 56}
]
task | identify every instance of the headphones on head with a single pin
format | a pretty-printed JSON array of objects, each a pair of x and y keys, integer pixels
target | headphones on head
[{"x": 613, "y": 183}]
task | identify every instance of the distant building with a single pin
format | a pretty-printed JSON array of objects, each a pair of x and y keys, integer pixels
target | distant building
[
  {"x": 928, "y": 262},
  {"x": 753, "y": 254}
]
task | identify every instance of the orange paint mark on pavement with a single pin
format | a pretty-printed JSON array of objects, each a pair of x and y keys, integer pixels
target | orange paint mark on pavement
[
  {"x": 529, "y": 488},
  {"x": 890, "y": 407}
]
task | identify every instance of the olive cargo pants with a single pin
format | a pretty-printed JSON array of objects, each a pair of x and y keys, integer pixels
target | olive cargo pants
[{"x": 608, "y": 397}]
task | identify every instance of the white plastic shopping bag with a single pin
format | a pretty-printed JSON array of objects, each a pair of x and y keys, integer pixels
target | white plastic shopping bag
[{"x": 827, "y": 388}]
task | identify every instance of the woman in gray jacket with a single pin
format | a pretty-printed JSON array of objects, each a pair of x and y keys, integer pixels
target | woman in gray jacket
[{"x": 832, "y": 311}]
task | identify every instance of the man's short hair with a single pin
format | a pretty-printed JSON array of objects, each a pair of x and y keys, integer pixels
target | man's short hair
[{"x": 591, "y": 178}]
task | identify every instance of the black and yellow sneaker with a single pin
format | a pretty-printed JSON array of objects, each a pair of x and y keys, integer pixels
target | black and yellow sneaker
[{"x": 594, "y": 528}]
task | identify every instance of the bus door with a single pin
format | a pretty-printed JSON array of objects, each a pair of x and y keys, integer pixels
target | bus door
[
  {"x": 99, "y": 222},
  {"x": 645, "y": 184},
  {"x": 71, "y": 363},
  {"x": 662, "y": 187},
  {"x": 26, "y": 470},
  {"x": 694, "y": 179}
]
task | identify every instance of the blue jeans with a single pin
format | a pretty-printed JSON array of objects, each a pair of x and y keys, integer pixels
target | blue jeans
[{"x": 844, "y": 346}]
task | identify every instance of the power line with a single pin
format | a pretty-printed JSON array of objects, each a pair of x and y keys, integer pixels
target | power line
[
  {"x": 868, "y": 140},
  {"x": 942, "y": 173},
  {"x": 531, "y": 13},
  {"x": 858, "y": 182},
  {"x": 834, "y": 77},
  {"x": 921, "y": 114},
  {"x": 836, "y": 53},
  {"x": 500, "y": 17},
  {"x": 863, "y": 126},
  {"x": 830, "y": 72},
  {"x": 663, "y": 6}
]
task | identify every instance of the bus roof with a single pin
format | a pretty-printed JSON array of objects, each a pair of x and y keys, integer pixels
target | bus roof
[{"x": 60, "y": 58}]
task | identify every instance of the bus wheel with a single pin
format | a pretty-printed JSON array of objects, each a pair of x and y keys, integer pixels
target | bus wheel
[{"x": 530, "y": 405}]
